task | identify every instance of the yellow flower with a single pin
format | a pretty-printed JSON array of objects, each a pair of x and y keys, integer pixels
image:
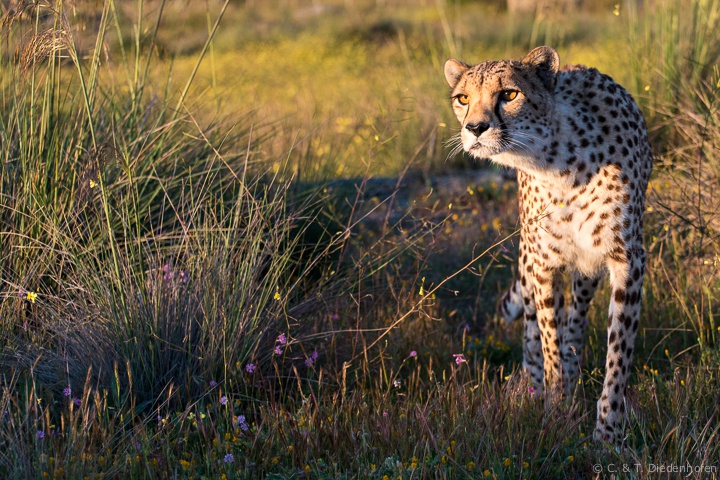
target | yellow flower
[
  {"x": 486, "y": 473},
  {"x": 526, "y": 465},
  {"x": 275, "y": 461},
  {"x": 277, "y": 295},
  {"x": 32, "y": 296},
  {"x": 223, "y": 477},
  {"x": 307, "y": 468},
  {"x": 507, "y": 462},
  {"x": 93, "y": 184},
  {"x": 290, "y": 448},
  {"x": 185, "y": 465},
  {"x": 470, "y": 465},
  {"x": 444, "y": 459},
  {"x": 385, "y": 477},
  {"x": 571, "y": 459}
]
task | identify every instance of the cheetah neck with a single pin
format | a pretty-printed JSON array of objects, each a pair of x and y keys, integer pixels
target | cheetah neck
[{"x": 554, "y": 158}]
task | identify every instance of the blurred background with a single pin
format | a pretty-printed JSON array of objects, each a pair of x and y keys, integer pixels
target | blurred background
[{"x": 352, "y": 87}]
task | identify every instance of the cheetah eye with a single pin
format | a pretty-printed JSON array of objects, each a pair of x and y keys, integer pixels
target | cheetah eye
[
  {"x": 462, "y": 98},
  {"x": 508, "y": 95}
]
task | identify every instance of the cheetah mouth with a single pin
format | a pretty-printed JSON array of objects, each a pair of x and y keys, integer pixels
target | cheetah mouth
[{"x": 480, "y": 149}]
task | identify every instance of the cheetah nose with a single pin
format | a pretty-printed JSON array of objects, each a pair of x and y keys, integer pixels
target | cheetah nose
[{"x": 477, "y": 128}]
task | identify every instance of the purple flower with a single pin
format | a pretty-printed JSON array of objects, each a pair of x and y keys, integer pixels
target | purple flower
[
  {"x": 250, "y": 367},
  {"x": 314, "y": 355},
  {"x": 413, "y": 354},
  {"x": 242, "y": 423},
  {"x": 334, "y": 316},
  {"x": 458, "y": 358},
  {"x": 77, "y": 401},
  {"x": 281, "y": 339},
  {"x": 308, "y": 362},
  {"x": 40, "y": 434},
  {"x": 213, "y": 384},
  {"x": 167, "y": 272},
  {"x": 183, "y": 276},
  {"x": 223, "y": 400},
  {"x": 229, "y": 458},
  {"x": 386, "y": 414},
  {"x": 67, "y": 391},
  {"x": 278, "y": 350}
]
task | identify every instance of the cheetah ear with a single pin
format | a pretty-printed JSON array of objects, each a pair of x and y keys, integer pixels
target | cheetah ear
[
  {"x": 546, "y": 62},
  {"x": 454, "y": 70}
]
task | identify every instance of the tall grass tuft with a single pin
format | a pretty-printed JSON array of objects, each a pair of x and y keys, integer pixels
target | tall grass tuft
[
  {"x": 135, "y": 244},
  {"x": 676, "y": 55}
]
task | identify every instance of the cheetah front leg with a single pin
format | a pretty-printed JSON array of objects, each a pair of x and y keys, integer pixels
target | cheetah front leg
[
  {"x": 626, "y": 276},
  {"x": 549, "y": 301},
  {"x": 573, "y": 331}
]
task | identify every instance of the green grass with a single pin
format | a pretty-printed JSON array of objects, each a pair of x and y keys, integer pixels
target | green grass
[{"x": 194, "y": 230}]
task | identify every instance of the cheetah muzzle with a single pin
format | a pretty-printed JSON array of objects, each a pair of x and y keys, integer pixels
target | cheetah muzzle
[{"x": 580, "y": 146}]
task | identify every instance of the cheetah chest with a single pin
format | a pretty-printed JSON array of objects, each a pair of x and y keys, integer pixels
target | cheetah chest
[{"x": 576, "y": 227}]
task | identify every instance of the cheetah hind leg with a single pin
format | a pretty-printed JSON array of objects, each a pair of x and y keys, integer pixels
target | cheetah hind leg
[
  {"x": 511, "y": 305},
  {"x": 574, "y": 326}
]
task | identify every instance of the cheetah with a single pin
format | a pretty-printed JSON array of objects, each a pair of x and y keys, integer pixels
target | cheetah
[{"x": 580, "y": 146}]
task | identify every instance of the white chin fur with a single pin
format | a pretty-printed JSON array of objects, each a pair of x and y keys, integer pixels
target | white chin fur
[{"x": 481, "y": 149}]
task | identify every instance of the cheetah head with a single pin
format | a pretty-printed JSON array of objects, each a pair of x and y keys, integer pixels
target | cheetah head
[{"x": 505, "y": 107}]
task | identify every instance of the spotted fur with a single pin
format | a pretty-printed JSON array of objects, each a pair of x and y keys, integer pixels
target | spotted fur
[{"x": 580, "y": 147}]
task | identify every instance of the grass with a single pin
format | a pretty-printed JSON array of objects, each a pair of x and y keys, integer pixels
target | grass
[{"x": 204, "y": 273}]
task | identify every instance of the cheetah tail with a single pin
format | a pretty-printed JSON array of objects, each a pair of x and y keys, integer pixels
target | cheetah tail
[{"x": 511, "y": 303}]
